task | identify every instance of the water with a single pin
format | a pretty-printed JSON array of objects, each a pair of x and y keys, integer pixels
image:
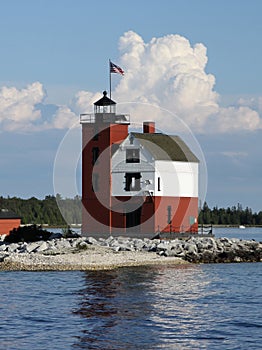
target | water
[
  {"x": 214, "y": 306},
  {"x": 234, "y": 232}
]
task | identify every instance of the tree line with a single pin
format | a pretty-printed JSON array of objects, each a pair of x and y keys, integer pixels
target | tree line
[
  {"x": 46, "y": 211},
  {"x": 235, "y": 215}
]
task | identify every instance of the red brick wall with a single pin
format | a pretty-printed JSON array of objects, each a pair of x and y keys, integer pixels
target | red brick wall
[
  {"x": 96, "y": 216},
  {"x": 154, "y": 215},
  {"x": 182, "y": 209}
]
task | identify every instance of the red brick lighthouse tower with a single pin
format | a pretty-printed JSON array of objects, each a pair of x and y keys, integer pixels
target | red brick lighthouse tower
[{"x": 100, "y": 131}]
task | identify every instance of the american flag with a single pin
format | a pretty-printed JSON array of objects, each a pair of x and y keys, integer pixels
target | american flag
[{"x": 116, "y": 69}]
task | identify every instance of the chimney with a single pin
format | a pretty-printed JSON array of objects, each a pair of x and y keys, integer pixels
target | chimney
[{"x": 148, "y": 127}]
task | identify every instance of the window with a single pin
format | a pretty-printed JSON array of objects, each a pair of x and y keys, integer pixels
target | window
[
  {"x": 95, "y": 154},
  {"x": 192, "y": 220},
  {"x": 169, "y": 218},
  {"x": 132, "y": 155},
  {"x": 133, "y": 182},
  {"x": 95, "y": 182},
  {"x": 96, "y": 133},
  {"x": 158, "y": 184}
]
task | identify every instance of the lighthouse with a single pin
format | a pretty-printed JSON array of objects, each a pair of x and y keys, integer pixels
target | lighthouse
[
  {"x": 101, "y": 131},
  {"x": 135, "y": 183}
]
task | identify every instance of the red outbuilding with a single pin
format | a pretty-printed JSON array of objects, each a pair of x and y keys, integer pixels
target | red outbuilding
[{"x": 8, "y": 221}]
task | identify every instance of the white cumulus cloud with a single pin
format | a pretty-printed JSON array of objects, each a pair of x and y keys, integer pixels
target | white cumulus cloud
[
  {"x": 164, "y": 74},
  {"x": 19, "y": 110},
  {"x": 18, "y": 107},
  {"x": 83, "y": 101},
  {"x": 64, "y": 118},
  {"x": 234, "y": 119},
  {"x": 170, "y": 73}
]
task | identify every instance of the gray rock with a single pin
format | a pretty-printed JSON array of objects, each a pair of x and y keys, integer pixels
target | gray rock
[
  {"x": 3, "y": 247},
  {"x": 62, "y": 243},
  {"x": 163, "y": 245},
  {"x": 162, "y": 253},
  {"x": 3, "y": 256},
  {"x": 174, "y": 253},
  {"x": 22, "y": 248},
  {"x": 152, "y": 247},
  {"x": 205, "y": 244},
  {"x": 139, "y": 244},
  {"x": 91, "y": 240},
  {"x": 190, "y": 248},
  {"x": 237, "y": 259},
  {"x": 83, "y": 245},
  {"x": 76, "y": 241},
  {"x": 109, "y": 239},
  {"x": 12, "y": 248},
  {"x": 179, "y": 249},
  {"x": 116, "y": 248},
  {"x": 33, "y": 246},
  {"x": 43, "y": 246},
  {"x": 219, "y": 246},
  {"x": 226, "y": 242},
  {"x": 2, "y": 238},
  {"x": 120, "y": 243},
  {"x": 126, "y": 247}
]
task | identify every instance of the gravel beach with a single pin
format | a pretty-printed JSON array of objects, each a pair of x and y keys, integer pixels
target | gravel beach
[{"x": 93, "y": 258}]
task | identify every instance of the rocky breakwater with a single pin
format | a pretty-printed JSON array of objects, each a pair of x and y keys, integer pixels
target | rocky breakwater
[
  {"x": 84, "y": 253},
  {"x": 193, "y": 249},
  {"x": 212, "y": 250}
]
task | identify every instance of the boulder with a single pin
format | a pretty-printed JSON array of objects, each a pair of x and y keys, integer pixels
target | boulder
[
  {"x": 3, "y": 247},
  {"x": 82, "y": 245},
  {"x": 12, "y": 248},
  {"x": 43, "y": 246},
  {"x": 3, "y": 256},
  {"x": 22, "y": 247},
  {"x": 91, "y": 240},
  {"x": 190, "y": 248},
  {"x": 174, "y": 253},
  {"x": 62, "y": 244},
  {"x": 2, "y": 238},
  {"x": 78, "y": 240},
  {"x": 139, "y": 244},
  {"x": 163, "y": 245},
  {"x": 32, "y": 247}
]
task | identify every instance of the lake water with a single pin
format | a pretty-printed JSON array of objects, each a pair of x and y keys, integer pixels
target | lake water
[
  {"x": 234, "y": 232},
  {"x": 214, "y": 306}
]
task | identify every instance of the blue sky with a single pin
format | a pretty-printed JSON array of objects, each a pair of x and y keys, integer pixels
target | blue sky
[{"x": 54, "y": 60}]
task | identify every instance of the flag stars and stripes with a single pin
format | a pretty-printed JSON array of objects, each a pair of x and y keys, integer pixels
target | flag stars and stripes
[{"x": 116, "y": 69}]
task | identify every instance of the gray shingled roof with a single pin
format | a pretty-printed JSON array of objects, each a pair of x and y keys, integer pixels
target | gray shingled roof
[
  {"x": 8, "y": 214},
  {"x": 166, "y": 147}
]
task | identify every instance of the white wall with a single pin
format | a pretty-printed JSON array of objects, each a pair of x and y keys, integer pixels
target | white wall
[{"x": 177, "y": 179}]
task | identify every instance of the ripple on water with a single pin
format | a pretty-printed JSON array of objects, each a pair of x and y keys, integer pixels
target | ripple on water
[{"x": 181, "y": 307}]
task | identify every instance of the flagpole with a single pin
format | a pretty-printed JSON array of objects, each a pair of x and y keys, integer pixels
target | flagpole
[
  {"x": 110, "y": 180},
  {"x": 110, "y": 80}
]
